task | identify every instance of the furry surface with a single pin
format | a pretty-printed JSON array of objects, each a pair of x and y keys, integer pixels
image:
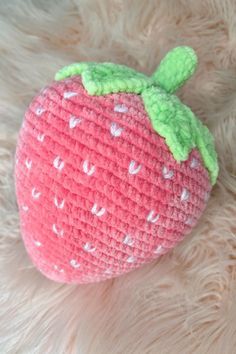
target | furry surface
[{"x": 183, "y": 303}]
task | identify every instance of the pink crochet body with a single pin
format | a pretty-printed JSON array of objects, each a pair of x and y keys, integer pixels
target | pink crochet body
[{"x": 99, "y": 191}]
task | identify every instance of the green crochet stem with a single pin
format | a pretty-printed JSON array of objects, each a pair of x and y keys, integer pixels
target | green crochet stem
[{"x": 170, "y": 118}]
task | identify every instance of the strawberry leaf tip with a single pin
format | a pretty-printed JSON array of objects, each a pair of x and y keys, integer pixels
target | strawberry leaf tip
[{"x": 175, "y": 68}]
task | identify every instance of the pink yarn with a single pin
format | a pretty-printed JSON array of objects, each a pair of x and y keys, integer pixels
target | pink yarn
[{"x": 98, "y": 190}]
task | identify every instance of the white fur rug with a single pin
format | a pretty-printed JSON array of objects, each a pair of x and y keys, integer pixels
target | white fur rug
[{"x": 183, "y": 303}]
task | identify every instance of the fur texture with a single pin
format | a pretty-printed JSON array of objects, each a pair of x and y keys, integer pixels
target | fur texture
[{"x": 185, "y": 301}]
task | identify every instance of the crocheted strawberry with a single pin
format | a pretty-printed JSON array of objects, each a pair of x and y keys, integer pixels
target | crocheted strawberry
[{"x": 112, "y": 170}]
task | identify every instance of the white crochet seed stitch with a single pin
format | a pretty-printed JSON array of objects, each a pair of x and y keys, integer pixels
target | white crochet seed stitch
[
  {"x": 74, "y": 263},
  {"x": 57, "y": 232},
  {"x": 131, "y": 259},
  {"x": 121, "y": 108},
  {"x": 97, "y": 212},
  {"x": 194, "y": 163},
  {"x": 37, "y": 243},
  {"x": 128, "y": 240},
  {"x": 88, "y": 247},
  {"x": 158, "y": 250},
  {"x": 184, "y": 195},
  {"x": 88, "y": 169},
  {"x": 115, "y": 130},
  {"x": 58, "y": 163},
  {"x": 25, "y": 208},
  {"x": 167, "y": 174},
  {"x": 40, "y": 137},
  {"x": 151, "y": 217},
  {"x": 28, "y": 163},
  {"x": 59, "y": 205},
  {"x": 60, "y": 270},
  {"x": 35, "y": 194},
  {"x": 73, "y": 122},
  {"x": 189, "y": 221},
  {"x": 108, "y": 271},
  {"x": 134, "y": 168},
  {"x": 39, "y": 111},
  {"x": 69, "y": 94}
]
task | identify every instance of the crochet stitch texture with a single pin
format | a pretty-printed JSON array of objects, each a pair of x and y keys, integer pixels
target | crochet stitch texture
[{"x": 101, "y": 190}]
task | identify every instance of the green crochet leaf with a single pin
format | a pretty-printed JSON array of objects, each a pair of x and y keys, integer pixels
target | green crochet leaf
[
  {"x": 175, "y": 69},
  {"x": 105, "y": 78},
  {"x": 100, "y": 79},
  {"x": 181, "y": 129},
  {"x": 72, "y": 70}
]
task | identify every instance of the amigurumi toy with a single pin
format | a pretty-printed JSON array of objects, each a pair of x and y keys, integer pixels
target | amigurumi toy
[{"x": 112, "y": 169}]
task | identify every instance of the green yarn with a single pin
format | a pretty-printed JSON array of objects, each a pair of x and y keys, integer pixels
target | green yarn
[
  {"x": 105, "y": 78},
  {"x": 170, "y": 118},
  {"x": 73, "y": 69},
  {"x": 175, "y": 69}
]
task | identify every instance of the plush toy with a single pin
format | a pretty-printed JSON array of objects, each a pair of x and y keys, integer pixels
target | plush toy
[{"x": 112, "y": 170}]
